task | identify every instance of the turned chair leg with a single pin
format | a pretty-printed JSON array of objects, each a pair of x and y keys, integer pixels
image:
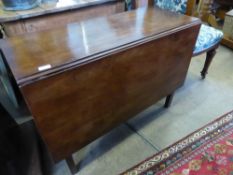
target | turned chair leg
[
  {"x": 209, "y": 57},
  {"x": 168, "y": 100}
]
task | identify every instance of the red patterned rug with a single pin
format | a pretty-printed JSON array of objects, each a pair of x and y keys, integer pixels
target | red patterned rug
[{"x": 208, "y": 151}]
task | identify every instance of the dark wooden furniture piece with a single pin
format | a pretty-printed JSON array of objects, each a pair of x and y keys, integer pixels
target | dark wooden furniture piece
[
  {"x": 82, "y": 80},
  {"x": 21, "y": 148},
  {"x": 55, "y": 14}
]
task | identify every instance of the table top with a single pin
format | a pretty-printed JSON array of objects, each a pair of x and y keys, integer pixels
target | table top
[
  {"x": 47, "y": 8},
  {"x": 37, "y": 55}
]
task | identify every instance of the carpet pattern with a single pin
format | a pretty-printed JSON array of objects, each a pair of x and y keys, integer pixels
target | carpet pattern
[{"x": 207, "y": 151}]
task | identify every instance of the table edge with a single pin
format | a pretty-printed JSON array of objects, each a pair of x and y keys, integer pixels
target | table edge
[{"x": 23, "y": 81}]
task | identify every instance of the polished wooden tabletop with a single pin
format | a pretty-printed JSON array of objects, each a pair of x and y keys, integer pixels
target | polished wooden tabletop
[{"x": 34, "y": 55}]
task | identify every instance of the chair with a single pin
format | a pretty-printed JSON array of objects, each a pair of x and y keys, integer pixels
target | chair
[{"x": 208, "y": 39}]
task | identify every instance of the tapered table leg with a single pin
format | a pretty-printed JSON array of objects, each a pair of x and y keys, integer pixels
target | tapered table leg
[
  {"x": 168, "y": 100},
  {"x": 79, "y": 156}
]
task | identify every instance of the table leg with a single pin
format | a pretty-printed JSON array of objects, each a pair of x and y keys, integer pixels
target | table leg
[
  {"x": 79, "y": 156},
  {"x": 2, "y": 33},
  {"x": 169, "y": 100}
]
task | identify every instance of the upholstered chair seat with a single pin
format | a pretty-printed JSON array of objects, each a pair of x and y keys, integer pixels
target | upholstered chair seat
[{"x": 207, "y": 38}]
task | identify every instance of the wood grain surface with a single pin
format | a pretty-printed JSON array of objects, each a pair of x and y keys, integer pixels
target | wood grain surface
[
  {"x": 88, "y": 40},
  {"x": 56, "y": 20},
  {"x": 103, "y": 72}
]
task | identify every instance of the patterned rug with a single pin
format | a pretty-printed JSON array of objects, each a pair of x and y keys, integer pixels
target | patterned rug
[{"x": 208, "y": 151}]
